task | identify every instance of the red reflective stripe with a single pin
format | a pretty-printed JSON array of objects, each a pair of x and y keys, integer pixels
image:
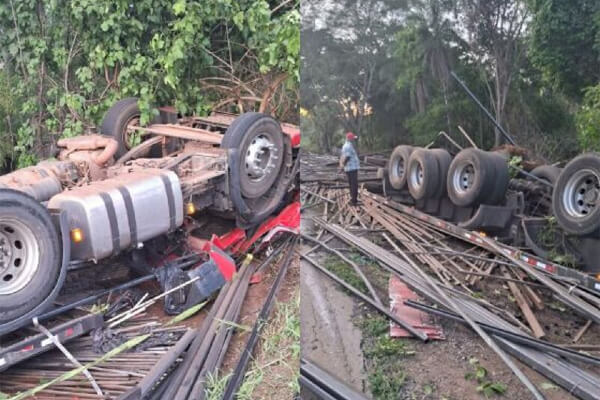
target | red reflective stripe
[{"x": 224, "y": 263}]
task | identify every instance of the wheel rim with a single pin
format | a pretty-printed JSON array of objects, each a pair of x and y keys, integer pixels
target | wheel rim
[
  {"x": 398, "y": 168},
  {"x": 416, "y": 175},
  {"x": 463, "y": 178},
  {"x": 19, "y": 255},
  {"x": 128, "y": 134},
  {"x": 581, "y": 193},
  {"x": 260, "y": 158}
]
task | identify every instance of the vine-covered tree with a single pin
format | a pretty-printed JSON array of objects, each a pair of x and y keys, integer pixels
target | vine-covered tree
[{"x": 67, "y": 61}]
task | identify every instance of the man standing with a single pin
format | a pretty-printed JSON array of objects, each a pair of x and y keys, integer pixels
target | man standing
[{"x": 350, "y": 163}]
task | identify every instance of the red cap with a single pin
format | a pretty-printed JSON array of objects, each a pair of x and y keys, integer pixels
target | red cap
[{"x": 351, "y": 136}]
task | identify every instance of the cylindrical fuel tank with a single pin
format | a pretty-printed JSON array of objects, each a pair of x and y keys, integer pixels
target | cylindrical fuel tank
[{"x": 118, "y": 213}]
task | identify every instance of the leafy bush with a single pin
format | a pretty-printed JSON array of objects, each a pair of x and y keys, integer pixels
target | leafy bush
[
  {"x": 588, "y": 120},
  {"x": 71, "y": 59}
]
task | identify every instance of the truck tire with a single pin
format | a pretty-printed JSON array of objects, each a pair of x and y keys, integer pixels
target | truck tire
[
  {"x": 470, "y": 177},
  {"x": 259, "y": 139},
  {"x": 549, "y": 173},
  {"x": 115, "y": 122},
  {"x": 444, "y": 160},
  {"x": 423, "y": 177},
  {"x": 398, "y": 165},
  {"x": 30, "y": 254},
  {"x": 501, "y": 177},
  {"x": 576, "y": 195}
]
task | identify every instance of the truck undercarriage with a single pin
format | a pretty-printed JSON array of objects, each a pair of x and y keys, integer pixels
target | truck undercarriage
[{"x": 109, "y": 194}]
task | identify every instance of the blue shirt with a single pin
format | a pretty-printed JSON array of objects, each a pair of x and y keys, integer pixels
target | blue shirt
[{"x": 349, "y": 152}]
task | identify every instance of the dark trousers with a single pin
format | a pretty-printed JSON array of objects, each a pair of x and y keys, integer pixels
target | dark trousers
[{"x": 353, "y": 182}]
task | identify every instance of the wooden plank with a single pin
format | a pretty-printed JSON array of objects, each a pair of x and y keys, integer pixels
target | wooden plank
[
  {"x": 582, "y": 331},
  {"x": 533, "y": 296},
  {"x": 536, "y": 328}
]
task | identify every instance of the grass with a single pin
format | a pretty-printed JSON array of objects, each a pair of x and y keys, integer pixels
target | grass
[
  {"x": 215, "y": 386},
  {"x": 344, "y": 271},
  {"x": 274, "y": 372},
  {"x": 384, "y": 357}
]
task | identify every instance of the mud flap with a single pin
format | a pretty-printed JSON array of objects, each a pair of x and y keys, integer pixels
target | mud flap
[{"x": 210, "y": 277}]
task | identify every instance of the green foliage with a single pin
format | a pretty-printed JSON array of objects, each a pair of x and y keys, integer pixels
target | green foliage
[
  {"x": 411, "y": 95},
  {"x": 384, "y": 386},
  {"x": 513, "y": 163},
  {"x": 588, "y": 120},
  {"x": 485, "y": 386},
  {"x": 425, "y": 126},
  {"x": 345, "y": 272},
  {"x": 564, "y": 43},
  {"x": 384, "y": 356},
  {"x": 70, "y": 60}
]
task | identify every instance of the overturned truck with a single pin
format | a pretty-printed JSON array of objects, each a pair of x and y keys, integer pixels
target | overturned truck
[
  {"x": 553, "y": 211},
  {"x": 109, "y": 193}
]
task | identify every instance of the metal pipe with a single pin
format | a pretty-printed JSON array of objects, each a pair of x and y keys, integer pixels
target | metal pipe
[
  {"x": 347, "y": 260},
  {"x": 485, "y": 111},
  {"x": 238, "y": 373},
  {"x": 513, "y": 337}
]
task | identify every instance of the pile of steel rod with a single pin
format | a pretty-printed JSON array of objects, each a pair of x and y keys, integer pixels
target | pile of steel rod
[
  {"x": 114, "y": 376},
  {"x": 444, "y": 270},
  {"x": 209, "y": 346},
  {"x": 171, "y": 361},
  {"x": 323, "y": 385},
  {"x": 324, "y": 168}
]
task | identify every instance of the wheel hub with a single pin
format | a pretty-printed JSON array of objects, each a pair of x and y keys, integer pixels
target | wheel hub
[
  {"x": 463, "y": 178},
  {"x": 260, "y": 158},
  {"x": 400, "y": 168},
  {"x": 5, "y": 253},
  {"x": 416, "y": 175},
  {"x": 19, "y": 255},
  {"x": 581, "y": 193}
]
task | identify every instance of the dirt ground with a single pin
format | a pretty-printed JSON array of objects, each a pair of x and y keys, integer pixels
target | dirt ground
[{"x": 332, "y": 336}]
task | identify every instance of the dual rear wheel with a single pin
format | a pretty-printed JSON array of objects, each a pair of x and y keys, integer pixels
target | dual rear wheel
[
  {"x": 30, "y": 255},
  {"x": 472, "y": 178},
  {"x": 576, "y": 195}
]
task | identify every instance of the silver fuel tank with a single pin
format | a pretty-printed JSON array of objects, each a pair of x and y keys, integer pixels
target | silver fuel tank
[{"x": 119, "y": 213}]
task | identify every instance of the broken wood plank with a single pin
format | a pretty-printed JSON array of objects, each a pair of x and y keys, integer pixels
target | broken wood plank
[{"x": 536, "y": 328}]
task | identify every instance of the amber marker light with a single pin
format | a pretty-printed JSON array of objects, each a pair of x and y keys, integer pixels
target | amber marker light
[
  {"x": 77, "y": 235},
  {"x": 190, "y": 209}
]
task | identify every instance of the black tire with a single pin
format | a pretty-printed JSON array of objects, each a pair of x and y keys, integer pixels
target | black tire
[
  {"x": 501, "y": 177},
  {"x": 423, "y": 174},
  {"x": 549, "y": 173},
  {"x": 243, "y": 134},
  {"x": 116, "y": 119},
  {"x": 577, "y": 211},
  {"x": 444, "y": 160},
  {"x": 470, "y": 178},
  {"x": 398, "y": 165},
  {"x": 22, "y": 212}
]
